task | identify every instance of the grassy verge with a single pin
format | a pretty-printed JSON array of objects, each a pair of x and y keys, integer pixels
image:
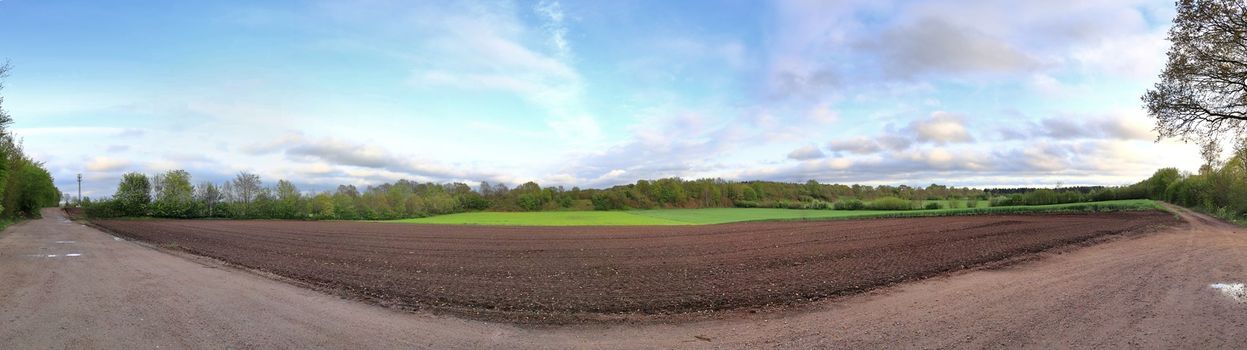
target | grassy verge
[
  {"x": 728, "y": 215},
  {"x": 1222, "y": 214}
]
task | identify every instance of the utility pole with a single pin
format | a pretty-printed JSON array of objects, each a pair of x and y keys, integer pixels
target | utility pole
[{"x": 79, "y": 189}]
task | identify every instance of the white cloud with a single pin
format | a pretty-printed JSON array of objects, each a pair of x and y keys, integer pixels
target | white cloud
[
  {"x": 492, "y": 49},
  {"x": 894, "y": 92},
  {"x": 823, "y": 113},
  {"x": 107, "y": 164},
  {"x": 941, "y": 127},
  {"x": 806, "y": 153},
  {"x": 857, "y": 144},
  {"x": 552, "y": 12},
  {"x": 932, "y": 45}
]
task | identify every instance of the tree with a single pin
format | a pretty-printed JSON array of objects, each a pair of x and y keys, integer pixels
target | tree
[
  {"x": 36, "y": 190},
  {"x": 1240, "y": 153},
  {"x": 1160, "y": 181},
  {"x": 322, "y": 206},
  {"x": 133, "y": 194},
  {"x": 246, "y": 187},
  {"x": 289, "y": 200},
  {"x": 208, "y": 196},
  {"x": 1202, "y": 93},
  {"x": 1210, "y": 151},
  {"x": 5, "y": 118},
  {"x": 174, "y": 195}
]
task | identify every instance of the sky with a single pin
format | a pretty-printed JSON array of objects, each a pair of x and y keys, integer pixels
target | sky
[{"x": 590, "y": 93}]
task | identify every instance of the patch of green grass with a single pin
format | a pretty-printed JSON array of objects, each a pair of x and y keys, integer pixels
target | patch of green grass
[
  {"x": 545, "y": 218},
  {"x": 727, "y": 215}
]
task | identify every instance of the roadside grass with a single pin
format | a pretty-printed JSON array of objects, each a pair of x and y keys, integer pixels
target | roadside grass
[
  {"x": 728, "y": 215},
  {"x": 6, "y": 222}
]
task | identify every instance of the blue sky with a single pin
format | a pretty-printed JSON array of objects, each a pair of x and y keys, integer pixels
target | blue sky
[{"x": 590, "y": 93}]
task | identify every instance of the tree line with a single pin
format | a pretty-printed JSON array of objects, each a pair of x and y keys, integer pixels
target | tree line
[
  {"x": 173, "y": 194},
  {"x": 25, "y": 185},
  {"x": 1218, "y": 188}
]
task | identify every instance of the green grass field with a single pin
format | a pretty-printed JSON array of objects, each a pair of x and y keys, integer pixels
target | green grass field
[{"x": 726, "y": 215}]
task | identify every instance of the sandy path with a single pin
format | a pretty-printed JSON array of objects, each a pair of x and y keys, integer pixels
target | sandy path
[{"x": 1149, "y": 292}]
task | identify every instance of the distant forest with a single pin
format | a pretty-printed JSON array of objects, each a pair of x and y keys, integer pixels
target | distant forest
[{"x": 172, "y": 194}]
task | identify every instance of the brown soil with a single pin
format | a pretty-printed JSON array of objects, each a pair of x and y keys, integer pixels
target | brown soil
[{"x": 577, "y": 274}]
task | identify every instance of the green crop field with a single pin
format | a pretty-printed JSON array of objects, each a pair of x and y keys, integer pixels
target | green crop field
[
  {"x": 726, "y": 215},
  {"x": 545, "y": 218}
]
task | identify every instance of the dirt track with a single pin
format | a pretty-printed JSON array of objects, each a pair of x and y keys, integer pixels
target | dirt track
[
  {"x": 577, "y": 274},
  {"x": 1150, "y": 291}
]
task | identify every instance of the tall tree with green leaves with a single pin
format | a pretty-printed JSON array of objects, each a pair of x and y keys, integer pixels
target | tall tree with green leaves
[
  {"x": 289, "y": 200},
  {"x": 134, "y": 194},
  {"x": 175, "y": 197}
]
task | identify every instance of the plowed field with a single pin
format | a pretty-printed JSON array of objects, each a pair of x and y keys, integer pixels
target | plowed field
[{"x": 574, "y": 274}]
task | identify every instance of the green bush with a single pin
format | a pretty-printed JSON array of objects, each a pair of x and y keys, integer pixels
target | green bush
[
  {"x": 933, "y": 206},
  {"x": 890, "y": 203},
  {"x": 849, "y": 204}
]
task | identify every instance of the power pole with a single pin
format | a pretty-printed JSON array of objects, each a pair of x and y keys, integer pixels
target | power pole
[{"x": 79, "y": 188}]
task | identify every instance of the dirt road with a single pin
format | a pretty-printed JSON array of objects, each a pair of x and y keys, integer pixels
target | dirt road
[{"x": 63, "y": 285}]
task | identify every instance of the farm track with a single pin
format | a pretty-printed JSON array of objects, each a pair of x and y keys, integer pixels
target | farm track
[{"x": 558, "y": 275}]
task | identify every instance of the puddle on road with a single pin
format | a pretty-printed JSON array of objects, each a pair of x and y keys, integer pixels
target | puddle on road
[
  {"x": 115, "y": 238},
  {"x": 51, "y": 255},
  {"x": 73, "y": 254},
  {"x": 1238, "y": 291},
  {"x": 65, "y": 242}
]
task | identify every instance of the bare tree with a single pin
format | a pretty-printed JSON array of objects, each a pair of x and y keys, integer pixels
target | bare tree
[
  {"x": 246, "y": 187},
  {"x": 208, "y": 194},
  {"x": 1202, "y": 93},
  {"x": 1211, "y": 152}
]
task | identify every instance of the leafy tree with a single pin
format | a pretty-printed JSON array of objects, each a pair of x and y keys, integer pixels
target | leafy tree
[
  {"x": 37, "y": 190},
  {"x": 289, "y": 201},
  {"x": 322, "y": 206},
  {"x": 344, "y": 205},
  {"x": 133, "y": 195},
  {"x": 749, "y": 194},
  {"x": 1202, "y": 93},
  {"x": 175, "y": 195},
  {"x": 1160, "y": 181}
]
